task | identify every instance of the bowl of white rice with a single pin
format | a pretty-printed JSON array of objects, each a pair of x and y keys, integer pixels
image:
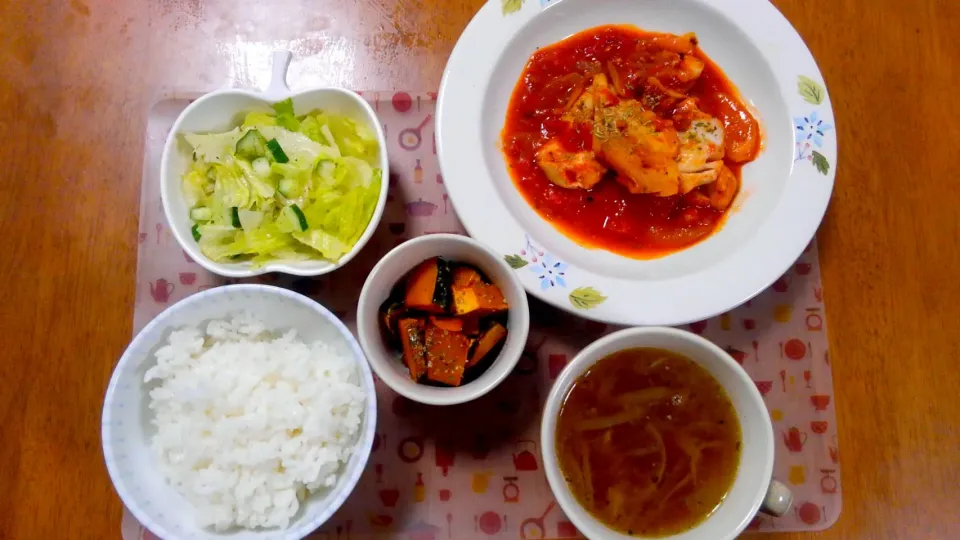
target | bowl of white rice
[{"x": 244, "y": 411}]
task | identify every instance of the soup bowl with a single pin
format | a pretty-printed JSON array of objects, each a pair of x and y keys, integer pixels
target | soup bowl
[{"x": 753, "y": 489}]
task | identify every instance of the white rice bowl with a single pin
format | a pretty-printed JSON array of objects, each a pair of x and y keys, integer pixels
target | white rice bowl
[
  {"x": 215, "y": 423},
  {"x": 248, "y": 423}
]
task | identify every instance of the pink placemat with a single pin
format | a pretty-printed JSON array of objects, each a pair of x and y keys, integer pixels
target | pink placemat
[{"x": 482, "y": 478}]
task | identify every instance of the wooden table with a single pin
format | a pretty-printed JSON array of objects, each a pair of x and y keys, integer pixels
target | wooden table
[{"x": 77, "y": 80}]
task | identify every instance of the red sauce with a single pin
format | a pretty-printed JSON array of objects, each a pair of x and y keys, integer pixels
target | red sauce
[{"x": 608, "y": 216}]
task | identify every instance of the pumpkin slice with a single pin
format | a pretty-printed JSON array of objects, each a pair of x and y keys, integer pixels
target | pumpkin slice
[
  {"x": 471, "y": 325},
  {"x": 414, "y": 350},
  {"x": 428, "y": 287},
  {"x": 466, "y": 276},
  {"x": 478, "y": 299},
  {"x": 390, "y": 313},
  {"x": 451, "y": 324},
  {"x": 446, "y": 355},
  {"x": 492, "y": 337}
]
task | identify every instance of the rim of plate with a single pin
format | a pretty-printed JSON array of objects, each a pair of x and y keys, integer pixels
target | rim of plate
[{"x": 762, "y": 258}]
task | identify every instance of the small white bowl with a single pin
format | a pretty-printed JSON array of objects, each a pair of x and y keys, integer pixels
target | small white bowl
[
  {"x": 392, "y": 268},
  {"x": 126, "y": 428},
  {"x": 223, "y": 110},
  {"x": 753, "y": 489}
]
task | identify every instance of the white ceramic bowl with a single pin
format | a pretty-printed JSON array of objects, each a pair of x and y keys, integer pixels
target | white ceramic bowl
[
  {"x": 223, "y": 110},
  {"x": 785, "y": 190},
  {"x": 753, "y": 490},
  {"x": 126, "y": 428},
  {"x": 392, "y": 268}
]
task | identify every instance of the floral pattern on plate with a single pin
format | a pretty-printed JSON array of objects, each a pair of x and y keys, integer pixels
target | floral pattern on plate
[
  {"x": 551, "y": 273},
  {"x": 811, "y": 129}
]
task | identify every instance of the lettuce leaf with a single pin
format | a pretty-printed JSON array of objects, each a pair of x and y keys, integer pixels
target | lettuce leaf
[
  {"x": 311, "y": 128},
  {"x": 258, "y": 120},
  {"x": 194, "y": 185},
  {"x": 263, "y": 186},
  {"x": 285, "y": 117},
  {"x": 230, "y": 187},
  {"x": 214, "y": 147},
  {"x": 327, "y": 244},
  {"x": 351, "y": 137}
]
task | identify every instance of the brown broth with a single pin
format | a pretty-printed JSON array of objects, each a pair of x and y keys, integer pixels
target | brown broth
[{"x": 648, "y": 442}]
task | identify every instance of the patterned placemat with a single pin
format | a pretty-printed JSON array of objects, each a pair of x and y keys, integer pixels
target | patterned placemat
[{"x": 482, "y": 479}]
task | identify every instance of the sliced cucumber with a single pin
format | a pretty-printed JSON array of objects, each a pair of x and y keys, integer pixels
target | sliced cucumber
[
  {"x": 276, "y": 151},
  {"x": 295, "y": 216},
  {"x": 261, "y": 167},
  {"x": 251, "y": 146},
  {"x": 201, "y": 213},
  {"x": 288, "y": 188},
  {"x": 250, "y": 219}
]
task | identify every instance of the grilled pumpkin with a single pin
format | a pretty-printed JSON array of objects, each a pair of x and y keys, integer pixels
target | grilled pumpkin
[{"x": 429, "y": 286}]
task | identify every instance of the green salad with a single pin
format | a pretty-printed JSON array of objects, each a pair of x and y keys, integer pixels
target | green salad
[{"x": 282, "y": 186}]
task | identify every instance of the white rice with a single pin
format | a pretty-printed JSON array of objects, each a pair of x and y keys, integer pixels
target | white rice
[{"x": 248, "y": 422}]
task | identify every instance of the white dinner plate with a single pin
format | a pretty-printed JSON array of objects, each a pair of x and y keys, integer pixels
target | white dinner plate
[{"x": 782, "y": 200}]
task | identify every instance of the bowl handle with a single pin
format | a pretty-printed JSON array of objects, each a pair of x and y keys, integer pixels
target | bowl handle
[
  {"x": 278, "y": 88},
  {"x": 778, "y": 499}
]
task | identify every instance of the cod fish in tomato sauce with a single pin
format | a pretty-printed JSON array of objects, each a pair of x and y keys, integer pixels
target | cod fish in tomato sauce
[{"x": 628, "y": 140}]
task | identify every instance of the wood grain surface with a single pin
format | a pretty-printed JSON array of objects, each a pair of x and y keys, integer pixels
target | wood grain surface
[{"x": 78, "y": 77}]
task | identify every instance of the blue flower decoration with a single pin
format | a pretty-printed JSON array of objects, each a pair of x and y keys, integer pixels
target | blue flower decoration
[
  {"x": 811, "y": 129},
  {"x": 550, "y": 272}
]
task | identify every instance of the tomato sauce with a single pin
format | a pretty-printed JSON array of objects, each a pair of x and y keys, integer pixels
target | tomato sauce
[{"x": 608, "y": 216}]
